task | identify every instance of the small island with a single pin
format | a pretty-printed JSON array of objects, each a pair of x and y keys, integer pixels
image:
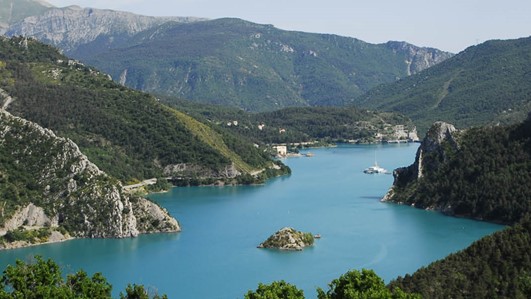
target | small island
[{"x": 288, "y": 239}]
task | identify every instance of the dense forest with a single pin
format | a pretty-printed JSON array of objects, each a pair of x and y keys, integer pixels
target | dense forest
[
  {"x": 128, "y": 134},
  {"x": 497, "y": 266},
  {"x": 298, "y": 124},
  {"x": 486, "y": 175},
  {"x": 481, "y": 173},
  {"x": 486, "y": 84}
]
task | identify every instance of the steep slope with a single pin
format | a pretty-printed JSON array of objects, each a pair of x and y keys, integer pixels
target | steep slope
[
  {"x": 228, "y": 61},
  {"x": 70, "y": 28},
  {"x": 488, "y": 83},
  {"x": 480, "y": 173},
  {"x": 12, "y": 11},
  {"x": 126, "y": 133},
  {"x": 49, "y": 186},
  {"x": 497, "y": 266}
]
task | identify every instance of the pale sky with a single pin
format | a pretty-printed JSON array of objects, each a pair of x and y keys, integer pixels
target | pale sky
[{"x": 450, "y": 25}]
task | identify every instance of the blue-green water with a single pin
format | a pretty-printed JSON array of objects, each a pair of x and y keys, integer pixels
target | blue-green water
[{"x": 215, "y": 256}]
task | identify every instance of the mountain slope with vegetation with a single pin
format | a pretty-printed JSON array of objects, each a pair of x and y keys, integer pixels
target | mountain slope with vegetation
[
  {"x": 128, "y": 134},
  {"x": 497, "y": 266},
  {"x": 299, "y": 124},
  {"x": 480, "y": 173},
  {"x": 485, "y": 84},
  {"x": 226, "y": 61}
]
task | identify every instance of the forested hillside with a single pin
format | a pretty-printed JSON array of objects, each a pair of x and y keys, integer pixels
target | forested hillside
[
  {"x": 299, "y": 124},
  {"x": 480, "y": 173},
  {"x": 486, "y": 84},
  {"x": 128, "y": 134},
  {"x": 497, "y": 266}
]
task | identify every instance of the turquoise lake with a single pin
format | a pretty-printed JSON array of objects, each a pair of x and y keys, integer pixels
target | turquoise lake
[{"x": 215, "y": 256}]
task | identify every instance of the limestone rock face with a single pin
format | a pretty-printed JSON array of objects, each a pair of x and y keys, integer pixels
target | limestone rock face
[
  {"x": 69, "y": 191},
  {"x": 431, "y": 153},
  {"x": 72, "y": 26},
  {"x": 418, "y": 58},
  {"x": 288, "y": 239}
]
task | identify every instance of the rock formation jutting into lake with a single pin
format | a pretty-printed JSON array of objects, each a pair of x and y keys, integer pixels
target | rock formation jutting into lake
[{"x": 288, "y": 238}]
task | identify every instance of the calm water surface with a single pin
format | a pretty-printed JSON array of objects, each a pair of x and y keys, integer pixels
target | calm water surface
[{"x": 215, "y": 256}]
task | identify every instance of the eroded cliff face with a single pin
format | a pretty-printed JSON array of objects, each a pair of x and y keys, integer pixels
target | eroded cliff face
[
  {"x": 55, "y": 185},
  {"x": 73, "y": 26},
  {"x": 433, "y": 151},
  {"x": 418, "y": 58}
]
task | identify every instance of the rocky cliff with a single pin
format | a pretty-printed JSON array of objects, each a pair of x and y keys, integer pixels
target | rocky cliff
[
  {"x": 433, "y": 151},
  {"x": 418, "y": 58},
  {"x": 49, "y": 183},
  {"x": 70, "y": 27},
  {"x": 481, "y": 173}
]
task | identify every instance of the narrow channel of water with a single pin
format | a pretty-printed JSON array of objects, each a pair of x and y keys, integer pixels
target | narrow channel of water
[{"x": 215, "y": 256}]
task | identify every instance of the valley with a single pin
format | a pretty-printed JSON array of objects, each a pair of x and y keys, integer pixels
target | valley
[{"x": 100, "y": 110}]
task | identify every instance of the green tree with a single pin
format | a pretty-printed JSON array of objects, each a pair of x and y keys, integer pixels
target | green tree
[
  {"x": 43, "y": 279},
  {"x": 360, "y": 284},
  {"x": 275, "y": 290},
  {"x": 136, "y": 291}
]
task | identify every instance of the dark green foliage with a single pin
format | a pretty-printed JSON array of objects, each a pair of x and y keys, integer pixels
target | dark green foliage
[
  {"x": 308, "y": 239},
  {"x": 275, "y": 290},
  {"x": 486, "y": 177},
  {"x": 360, "y": 284},
  {"x": 126, "y": 133},
  {"x": 488, "y": 83},
  {"x": 496, "y": 266},
  {"x": 301, "y": 124},
  {"x": 251, "y": 66},
  {"x": 139, "y": 292},
  {"x": 32, "y": 236},
  {"x": 43, "y": 279}
]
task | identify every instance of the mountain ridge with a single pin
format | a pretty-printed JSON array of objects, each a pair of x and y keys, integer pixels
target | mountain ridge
[
  {"x": 226, "y": 61},
  {"x": 484, "y": 84}
]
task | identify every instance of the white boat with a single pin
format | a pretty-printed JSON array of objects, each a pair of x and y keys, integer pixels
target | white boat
[{"x": 375, "y": 169}]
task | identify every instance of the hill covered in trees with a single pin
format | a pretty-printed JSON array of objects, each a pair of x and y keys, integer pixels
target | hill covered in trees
[
  {"x": 128, "y": 134},
  {"x": 299, "y": 124},
  {"x": 486, "y": 84},
  {"x": 481, "y": 173}
]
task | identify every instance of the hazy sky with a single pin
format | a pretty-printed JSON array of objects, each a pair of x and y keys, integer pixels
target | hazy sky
[{"x": 450, "y": 25}]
